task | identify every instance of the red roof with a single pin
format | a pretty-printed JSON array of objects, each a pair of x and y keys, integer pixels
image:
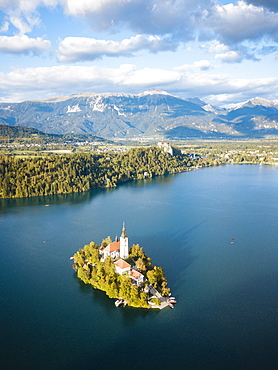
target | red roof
[
  {"x": 122, "y": 264},
  {"x": 135, "y": 274},
  {"x": 112, "y": 247}
]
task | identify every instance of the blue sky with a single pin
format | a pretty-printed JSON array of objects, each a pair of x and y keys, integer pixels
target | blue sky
[{"x": 223, "y": 52}]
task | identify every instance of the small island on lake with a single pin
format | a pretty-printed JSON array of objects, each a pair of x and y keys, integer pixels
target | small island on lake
[{"x": 126, "y": 274}]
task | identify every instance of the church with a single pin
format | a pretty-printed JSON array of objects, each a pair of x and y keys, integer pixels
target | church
[{"x": 118, "y": 248}]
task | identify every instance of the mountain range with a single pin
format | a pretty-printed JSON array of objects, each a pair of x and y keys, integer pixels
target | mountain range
[{"x": 153, "y": 113}]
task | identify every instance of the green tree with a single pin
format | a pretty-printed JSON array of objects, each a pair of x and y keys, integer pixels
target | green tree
[
  {"x": 106, "y": 241},
  {"x": 140, "y": 264}
]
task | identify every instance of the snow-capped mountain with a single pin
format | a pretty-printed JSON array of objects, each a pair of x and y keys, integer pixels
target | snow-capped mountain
[{"x": 151, "y": 113}]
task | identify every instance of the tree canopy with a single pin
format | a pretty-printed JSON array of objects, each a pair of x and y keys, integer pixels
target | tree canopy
[
  {"x": 101, "y": 274},
  {"x": 36, "y": 176}
]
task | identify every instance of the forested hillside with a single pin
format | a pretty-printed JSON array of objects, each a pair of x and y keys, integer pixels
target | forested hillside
[
  {"x": 35, "y": 176},
  {"x": 17, "y": 131},
  {"x": 12, "y": 133}
]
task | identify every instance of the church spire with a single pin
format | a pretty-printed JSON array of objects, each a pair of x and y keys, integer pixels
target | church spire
[
  {"x": 124, "y": 244},
  {"x": 123, "y": 231}
]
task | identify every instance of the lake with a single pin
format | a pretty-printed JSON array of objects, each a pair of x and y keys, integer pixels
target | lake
[{"x": 214, "y": 231}]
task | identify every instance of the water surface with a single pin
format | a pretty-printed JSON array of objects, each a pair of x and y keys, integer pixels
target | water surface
[{"x": 226, "y": 316}]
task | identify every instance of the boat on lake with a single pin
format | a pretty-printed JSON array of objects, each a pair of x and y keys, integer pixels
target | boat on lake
[
  {"x": 172, "y": 300},
  {"x": 119, "y": 302}
]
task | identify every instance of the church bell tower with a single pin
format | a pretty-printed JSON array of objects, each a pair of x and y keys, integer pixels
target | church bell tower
[{"x": 123, "y": 244}]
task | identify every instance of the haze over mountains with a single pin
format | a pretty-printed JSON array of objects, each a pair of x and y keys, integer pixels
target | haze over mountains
[{"x": 153, "y": 114}]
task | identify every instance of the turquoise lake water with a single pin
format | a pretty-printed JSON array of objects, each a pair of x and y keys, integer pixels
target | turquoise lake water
[{"x": 227, "y": 311}]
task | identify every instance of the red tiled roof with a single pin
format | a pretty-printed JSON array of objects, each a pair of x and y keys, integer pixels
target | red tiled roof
[
  {"x": 122, "y": 264},
  {"x": 112, "y": 247},
  {"x": 135, "y": 274}
]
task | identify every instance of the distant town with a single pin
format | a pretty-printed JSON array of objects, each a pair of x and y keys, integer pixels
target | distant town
[{"x": 217, "y": 152}]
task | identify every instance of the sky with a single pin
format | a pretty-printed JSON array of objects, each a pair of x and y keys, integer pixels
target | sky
[{"x": 223, "y": 52}]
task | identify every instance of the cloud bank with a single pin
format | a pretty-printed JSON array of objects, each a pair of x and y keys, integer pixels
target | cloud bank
[
  {"x": 187, "y": 80},
  {"x": 22, "y": 44},
  {"x": 73, "y": 49},
  {"x": 226, "y": 34},
  {"x": 169, "y": 21}
]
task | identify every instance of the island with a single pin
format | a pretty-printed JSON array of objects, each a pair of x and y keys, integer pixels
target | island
[{"x": 126, "y": 274}]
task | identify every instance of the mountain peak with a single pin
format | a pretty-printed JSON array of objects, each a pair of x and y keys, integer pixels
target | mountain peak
[
  {"x": 261, "y": 101},
  {"x": 154, "y": 92},
  {"x": 258, "y": 101},
  {"x": 151, "y": 113}
]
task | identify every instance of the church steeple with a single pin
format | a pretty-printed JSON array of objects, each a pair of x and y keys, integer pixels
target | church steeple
[
  {"x": 124, "y": 243},
  {"x": 123, "y": 231}
]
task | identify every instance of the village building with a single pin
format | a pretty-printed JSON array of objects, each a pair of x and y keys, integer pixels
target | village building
[
  {"x": 137, "y": 276},
  {"x": 122, "y": 267}
]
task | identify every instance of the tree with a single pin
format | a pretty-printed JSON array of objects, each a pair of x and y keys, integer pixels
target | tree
[
  {"x": 136, "y": 251},
  {"x": 156, "y": 276},
  {"x": 106, "y": 241},
  {"x": 140, "y": 264}
]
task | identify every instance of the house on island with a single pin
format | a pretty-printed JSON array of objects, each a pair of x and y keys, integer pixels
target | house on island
[
  {"x": 122, "y": 266},
  {"x": 136, "y": 276}
]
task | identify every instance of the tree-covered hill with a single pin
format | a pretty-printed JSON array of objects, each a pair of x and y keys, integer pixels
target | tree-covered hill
[
  {"x": 36, "y": 176},
  {"x": 11, "y": 132}
]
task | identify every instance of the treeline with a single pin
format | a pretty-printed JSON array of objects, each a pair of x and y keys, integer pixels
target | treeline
[
  {"x": 102, "y": 275},
  {"x": 11, "y": 133},
  {"x": 37, "y": 176}
]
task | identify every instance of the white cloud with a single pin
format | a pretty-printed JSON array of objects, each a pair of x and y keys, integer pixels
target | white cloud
[
  {"x": 83, "y": 7},
  {"x": 178, "y": 21},
  {"x": 149, "y": 77},
  {"x": 142, "y": 16},
  {"x": 201, "y": 65},
  {"x": 22, "y": 44},
  {"x": 29, "y": 83},
  {"x": 229, "y": 57},
  {"x": 234, "y": 23},
  {"x": 73, "y": 49},
  {"x": 23, "y": 14},
  {"x": 182, "y": 19},
  {"x": 215, "y": 47}
]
